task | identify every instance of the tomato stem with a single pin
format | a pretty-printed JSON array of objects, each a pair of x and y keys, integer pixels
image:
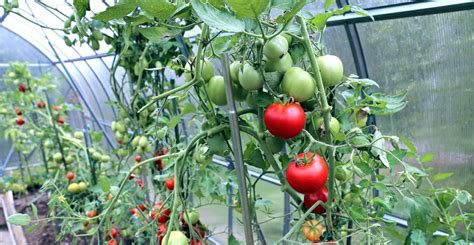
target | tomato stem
[{"x": 326, "y": 109}]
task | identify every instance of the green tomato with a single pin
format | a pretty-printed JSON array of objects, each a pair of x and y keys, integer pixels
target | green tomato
[
  {"x": 193, "y": 217},
  {"x": 275, "y": 48},
  {"x": 135, "y": 141},
  {"x": 69, "y": 159},
  {"x": 3, "y": 111},
  {"x": 274, "y": 144},
  {"x": 288, "y": 37},
  {"x": 105, "y": 158},
  {"x": 79, "y": 135},
  {"x": 143, "y": 142},
  {"x": 250, "y": 78},
  {"x": 122, "y": 152},
  {"x": 332, "y": 70},
  {"x": 123, "y": 113},
  {"x": 343, "y": 173},
  {"x": 298, "y": 84},
  {"x": 216, "y": 90},
  {"x": 234, "y": 71},
  {"x": 334, "y": 125},
  {"x": 48, "y": 144},
  {"x": 120, "y": 127},
  {"x": 207, "y": 70},
  {"x": 96, "y": 156},
  {"x": 57, "y": 157},
  {"x": 280, "y": 65},
  {"x": 177, "y": 238},
  {"x": 240, "y": 94}
]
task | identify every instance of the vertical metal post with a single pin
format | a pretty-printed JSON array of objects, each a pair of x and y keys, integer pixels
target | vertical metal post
[
  {"x": 286, "y": 212},
  {"x": 237, "y": 144},
  {"x": 230, "y": 202}
]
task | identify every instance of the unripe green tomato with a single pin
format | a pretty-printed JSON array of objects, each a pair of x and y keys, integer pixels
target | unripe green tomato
[
  {"x": 193, "y": 217},
  {"x": 48, "y": 144},
  {"x": 123, "y": 113},
  {"x": 108, "y": 40},
  {"x": 343, "y": 173},
  {"x": 113, "y": 126},
  {"x": 240, "y": 94},
  {"x": 39, "y": 134},
  {"x": 122, "y": 152},
  {"x": 16, "y": 82},
  {"x": 140, "y": 150},
  {"x": 334, "y": 125},
  {"x": 274, "y": 144},
  {"x": 148, "y": 148},
  {"x": 97, "y": 34},
  {"x": 92, "y": 150},
  {"x": 125, "y": 138},
  {"x": 280, "y": 65},
  {"x": 275, "y": 48},
  {"x": 120, "y": 127},
  {"x": 298, "y": 84},
  {"x": 124, "y": 233},
  {"x": 332, "y": 70},
  {"x": 118, "y": 135},
  {"x": 82, "y": 186},
  {"x": 234, "y": 71},
  {"x": 3, "y": 111},
  {"x": 250, "y": 78},
  {"x": 105, "y": 158},
  {"x": 216, "y": 90},
  {"x": 96, "y": 156},
  {"x": 143, "y": 142},
  {"x": 207, "y": 70},
  {"x": 57, "y": 157},
  {"x": 73, "y": 188},
  {"x": 177, "y": 238},
  {"x": 95, "y": 44},
  {"x": 288, "y": 37},
  {"x": 12, "y": 75},
  {"x": 69, "y": 159},
  {"x": 79, "y": 135},
  {"x": 135, "y": 141}
]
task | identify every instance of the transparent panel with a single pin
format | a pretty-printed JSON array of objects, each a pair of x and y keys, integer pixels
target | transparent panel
[
  {"x": 377, "y": 3},
  {"x": 337, "y": 43},
  {"x": 433, "y": 57}
]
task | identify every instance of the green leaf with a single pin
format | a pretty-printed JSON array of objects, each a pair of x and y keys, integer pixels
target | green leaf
[
  {"x": 160, "y": 9},
  {"x": 463, "y": 197},
  {"x": 378, "y": 148},
  {"x": 361, "y": 12},
  {"x": 381, "y": 187},
  {"x": 174, "y": 121},
  {"x": 408, "y": 144},
  {"x": 217, "y": 144},
  {"x": 248, "y": 8},
  {"x": 358, "y": 213},
  {"x": 219, "y": 19},
  {"x": 19, "y": 219},
  {"x": 283, "y": 4},
  {"x": 417, "y": 237},
  {"x": 253, "y": 156},
  {"x": 328, "y": 3},
  {"x": 187, "y": 108},
  {"x": 34, "y": 211},
  {"x": 382, "y": 203},
  {"x": 428, "y": 157},
  {"x": 359, "y": 141},
  {"x": 232, "y": 240},
  {"x": 159, "y": 34},
  {"x": 104, "y": 184},
  {"x": 364, "y": 82},
  {"x": 418, "y": 210},
  {"x": 81, "y": 7},
  {"x": 288, "y": 15},
  {"x": 320, "y": 20},
  {"x": 442, "y": 176},
  {"x": 162, "y": 177},
  {"x": 115, "y": 12}
]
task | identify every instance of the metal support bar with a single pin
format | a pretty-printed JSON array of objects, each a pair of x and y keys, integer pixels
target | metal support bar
[
  {"x": 238, "y": 155},
  {"x": 230, "y": 202},
  {"x": 403, "y": 11}
]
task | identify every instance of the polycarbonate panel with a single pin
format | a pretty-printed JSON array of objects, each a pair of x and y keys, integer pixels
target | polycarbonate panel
[
  {"x": 377, "y": 3},
  {"x": 337, "y": 43},
  {"x": 433, "y": 57}
]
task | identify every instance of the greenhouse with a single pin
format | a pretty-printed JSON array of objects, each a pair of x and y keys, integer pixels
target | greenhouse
[{"x": 236, "y": 122}]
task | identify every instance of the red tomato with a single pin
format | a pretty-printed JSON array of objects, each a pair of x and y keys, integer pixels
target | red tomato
[
  {"x": 138, "y": 158},
  {"x": 163, "y": 213},
  {"x": 40, "y": 104},
  {"x": 130, "y": 177},
  {"x": 161, "y": 232},
  {"x": 70, "y": 175},
  {"x": 312, "y": 198},
  {"x": 22, "y": 88},
  {"x": 159, "y": 163},
  {"x": 133, "y": 211},
  {"x": 114, "y": 232},
  {"x": 285, "y": 121},
  {"x": 112, "y": 242},
  {"x": 140, "y": 183},
  {"x": 164, "y": 151},
  {"x": 91, "y": 214},
  {"x": 20, "y": 121},
  {"x": 57, "y": 108},
  {"x": 18, "y": 112},
  {"x": 60, "y": 120},
  {"x": 307, "y": 174},
  {"x": 86, "y": 223},
  {"x": 170, "y": 183},
  {"x": 142, "y": 207}
]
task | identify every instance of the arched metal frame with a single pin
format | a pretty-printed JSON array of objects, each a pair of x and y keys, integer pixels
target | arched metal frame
[{"x": 349, "y": 21}]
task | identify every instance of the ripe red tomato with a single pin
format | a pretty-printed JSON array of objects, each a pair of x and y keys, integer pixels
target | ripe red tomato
[
  {"x": 20, "y": 121},
  {"x": 70, "y": 175},
  {"x": 18, "y": 112},
  {"x": 285, "y": 121},
  {"x": 308, "y": 173},
  {"x": 60, "y": 120},
  {"x": 22, "y": 88},
  {"x": 91, "y": 214},
  {"x": 140, "y": 183},
  {"x": 161, "y": 230},
  {"x": 169, "y": 183},
  {"x": 142, "y": 206},
  {"x": 130, "y": 177},
  {"x": 138, "y": 158},
  {"x": 57, "y": 108},
  {"x": 86, "y": 223},
  {"x": 312, "y": 198},
  {"x": 163, "y": 213},
  {"x": 112, "y": 242},
  {"x": 41, "y": 104},
  {"x": 133, "y": 211},
  {"x": 114, "y": 232}
]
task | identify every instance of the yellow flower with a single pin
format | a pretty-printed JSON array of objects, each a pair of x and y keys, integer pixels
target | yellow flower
[{"x": 62, "y": 199}]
